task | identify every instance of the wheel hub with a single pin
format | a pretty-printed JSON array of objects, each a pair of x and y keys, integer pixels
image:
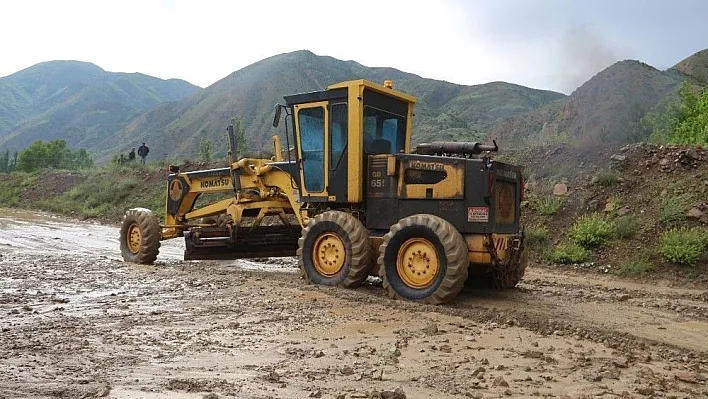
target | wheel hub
[
  {"x": 328, "y": 254},
  {"x": 417, "y": 263},
  {"x": 134, "y": 238}
]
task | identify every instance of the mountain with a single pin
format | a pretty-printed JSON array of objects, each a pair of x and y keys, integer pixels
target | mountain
[
  {"x": 78, "y": 102},
  {"x": 605, "y": 110},
  {"x": 444, "y": 110},
  {"x": 695, "y": 66}
]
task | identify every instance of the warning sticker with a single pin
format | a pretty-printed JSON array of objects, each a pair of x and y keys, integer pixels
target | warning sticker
[{"x": 478, "y": 214}]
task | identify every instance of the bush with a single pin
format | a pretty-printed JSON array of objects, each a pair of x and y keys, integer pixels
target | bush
[
  {"x": 683, "y": 246},
  {"x": 607, "y": 178},
  {"x": 535, "y": 236},
  {"x": 591, "y": 231},
  {"x": 672, "y": 209},
  {"x": 570, "y": 253},
  {"x": 627, "y": 226},
  {"x": 549, "y": 205},
  {"x": 639, "y": 265}
]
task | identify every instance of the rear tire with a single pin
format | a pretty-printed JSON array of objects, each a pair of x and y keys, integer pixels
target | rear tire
[
  {"x": 334, "y": 250},
  {"x": 423, "y": 258},
  {"x": 140, "y": 236}
]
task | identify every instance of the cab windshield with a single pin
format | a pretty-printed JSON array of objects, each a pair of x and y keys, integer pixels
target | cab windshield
[{"x": 384, "y": 132}]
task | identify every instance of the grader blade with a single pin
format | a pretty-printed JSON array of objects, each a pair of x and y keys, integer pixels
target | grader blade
[{"x": 264, "y": 241}]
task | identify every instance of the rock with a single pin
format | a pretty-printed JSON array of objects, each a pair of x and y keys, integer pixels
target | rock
[
  {"x": 500, "y": 382},
  {"x": 619, "y": 158},
  {"x": 694, "y": 213},
  {"x": 623, "y": 298},
  {"x": 474, "y": 395},
  {"x": 687, "y": 377},
  {"x": 341, "y": 396},
  {"x": 692, "y": 154},
  {"x": 645, "y": 390},
  {"x": 623, "y": 211},
  {"x": 594, "y": 377},
  {"x": 210, "y": 396},
  {"x": 560, "y": 189},
  {"x": 315, "y": 394},
  {"x": 431, "y": 329},
  {"x": 621, "y": 363},
  {"x": 317, "y": 354},
  {"x": 398, "y": 393},
  {"x": 445, "y": 348},
  {"x": 346, "y": 370},
  {"x": 273, "y": 377},
  {"x": 664, "y": 162}
]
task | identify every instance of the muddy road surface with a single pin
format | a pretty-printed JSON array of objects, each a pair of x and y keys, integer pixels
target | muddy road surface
[{"x": 76, "y": 322}]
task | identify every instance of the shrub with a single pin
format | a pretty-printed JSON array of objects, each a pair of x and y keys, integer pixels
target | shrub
[
  {"x": 591, "y": 230},
  {"x": 536, "y": 236},
  {"x": 683, "y": 246},
  {"x": 639, "y": 265},
  {"x": 627, "y": 226},
  {"x": 607, "y": 178},
  {"x": 569, "y": 253},
  {"x": 549, "y": 205},
  {"x": 672, "y": 209}
]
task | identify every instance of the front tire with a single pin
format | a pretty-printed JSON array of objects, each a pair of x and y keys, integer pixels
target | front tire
[
  {"x": 423, "y": 258},
  {"x": 334, "y": 250},
  {"x": 140, "y": 236}
]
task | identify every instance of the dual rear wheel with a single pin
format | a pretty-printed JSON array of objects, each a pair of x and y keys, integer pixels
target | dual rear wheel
[{"x": 422, "y": 257}]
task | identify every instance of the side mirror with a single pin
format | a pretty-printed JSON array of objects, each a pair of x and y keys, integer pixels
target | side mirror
[{"x": 276, "y": 118}]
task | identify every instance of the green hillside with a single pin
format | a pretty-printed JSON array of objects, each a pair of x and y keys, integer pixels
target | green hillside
[
  {"x": 76, "y": 101},
  {"x": 608, "y": 109},
  {"x": 445, "y": 110}
]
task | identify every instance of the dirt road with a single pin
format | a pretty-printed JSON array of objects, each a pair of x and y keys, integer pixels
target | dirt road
[{"x": 76, "y": 322}]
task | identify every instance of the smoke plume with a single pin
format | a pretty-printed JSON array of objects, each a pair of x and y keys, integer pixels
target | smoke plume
[{"x": 583, "y": 53}]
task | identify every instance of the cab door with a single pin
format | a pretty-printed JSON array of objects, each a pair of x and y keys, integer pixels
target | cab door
[{"x": 311, "y": 121}]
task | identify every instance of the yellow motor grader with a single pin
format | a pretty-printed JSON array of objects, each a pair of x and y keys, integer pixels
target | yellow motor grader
[{"x": 351, "y": 199}]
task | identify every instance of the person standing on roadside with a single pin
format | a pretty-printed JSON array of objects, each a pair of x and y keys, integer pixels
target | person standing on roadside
[{"x": 143, "y": 151}]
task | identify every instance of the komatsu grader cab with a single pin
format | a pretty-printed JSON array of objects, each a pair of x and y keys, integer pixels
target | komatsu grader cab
[{"x": 351, "y": 199}]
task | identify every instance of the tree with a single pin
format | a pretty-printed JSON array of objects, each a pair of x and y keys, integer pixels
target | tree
[
  {"x": 5, "y": 162},
  {"x": 240, "y": 136},
  {"x": 682, "y": 119},
  {"x": 53, "y": 154},
  {"x": 205, "y": 150}
]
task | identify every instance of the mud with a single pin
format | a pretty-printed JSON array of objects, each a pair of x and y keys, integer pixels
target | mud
[{"x": 76, "y": 322}]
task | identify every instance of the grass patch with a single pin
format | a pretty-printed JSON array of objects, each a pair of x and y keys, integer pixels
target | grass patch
[
  {"x": 569, "y": 253},
  {"x": 536, "y": 236},
  {"x": 639, "y": 265},
  {"x": 683, "y": 246},
  {"x": 549, "y": 205},
  {"x": 672, "y": 209},
  {"x": 591, "y": 231},
  {"x": 607, "y": 178},
  {"x": 627, "y": 226}
]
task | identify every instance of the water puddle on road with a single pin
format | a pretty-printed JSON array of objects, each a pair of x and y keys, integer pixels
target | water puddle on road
[{"x": 38, "y": 232}]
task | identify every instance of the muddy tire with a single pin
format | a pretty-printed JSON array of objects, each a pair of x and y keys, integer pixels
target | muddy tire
[
  {"x": 334, "y": 250},
  {"x": 511, "y": 279},
  {"x": 140, "y": 236},
  {"x": 423, "y": 258}
]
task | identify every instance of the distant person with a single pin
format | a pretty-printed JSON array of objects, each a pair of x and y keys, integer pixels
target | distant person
[
  {"x": 131, "y": 155},
  {"x": 143, "y": 151}
]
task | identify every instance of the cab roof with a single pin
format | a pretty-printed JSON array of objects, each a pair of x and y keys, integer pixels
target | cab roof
[{"x": 340, "y": 90}]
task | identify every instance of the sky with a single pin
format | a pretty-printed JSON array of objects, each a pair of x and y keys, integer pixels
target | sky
[{"x": 547, "y": 44}]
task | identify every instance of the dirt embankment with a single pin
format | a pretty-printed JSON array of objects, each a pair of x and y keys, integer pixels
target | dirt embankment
[
  {"x": 653, "y": 188},
  {"x": 83, "y": 324}
]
